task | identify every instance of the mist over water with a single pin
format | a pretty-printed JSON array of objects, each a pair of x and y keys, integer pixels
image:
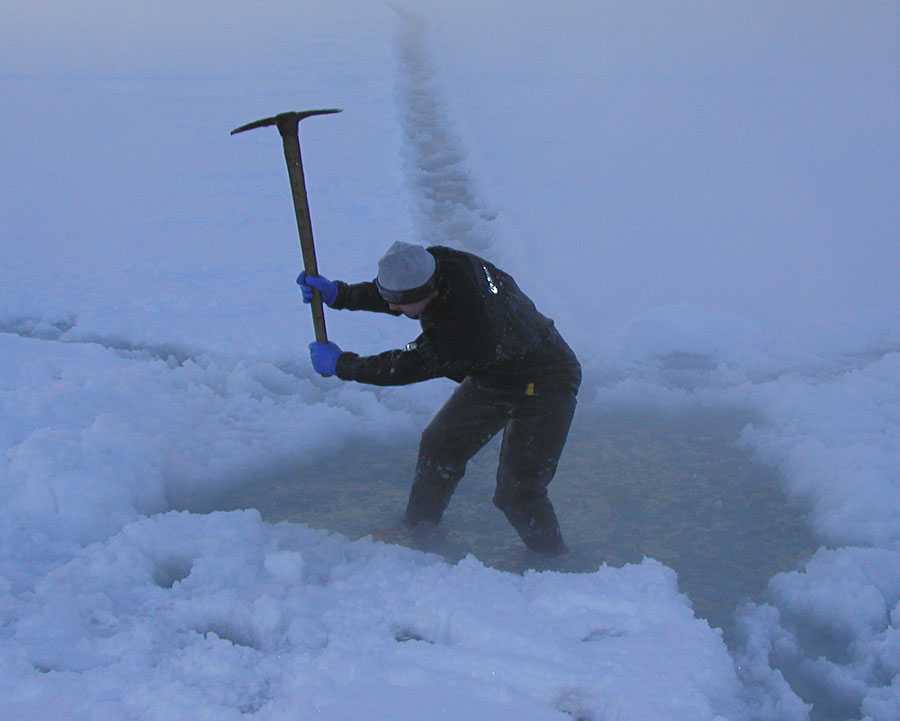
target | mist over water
[{"x": 674, "y": 486}]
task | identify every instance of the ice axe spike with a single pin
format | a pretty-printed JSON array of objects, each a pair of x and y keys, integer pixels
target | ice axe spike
[{"x": 288, "y": 126}]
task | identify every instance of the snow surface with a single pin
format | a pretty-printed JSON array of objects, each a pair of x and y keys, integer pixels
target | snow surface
[{"x": 702, "y": 195}]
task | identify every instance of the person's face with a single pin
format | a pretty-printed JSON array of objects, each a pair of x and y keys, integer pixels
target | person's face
[{"x": 412, "y": 310}]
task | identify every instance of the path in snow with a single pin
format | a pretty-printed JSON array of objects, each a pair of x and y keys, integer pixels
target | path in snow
[{"x": 447, "y": 206}]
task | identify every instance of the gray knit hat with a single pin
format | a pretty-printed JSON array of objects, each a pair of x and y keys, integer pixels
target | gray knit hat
[{"x": 405, "y": 274}]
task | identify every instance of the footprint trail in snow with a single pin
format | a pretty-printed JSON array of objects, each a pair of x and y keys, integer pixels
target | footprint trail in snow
[{"x": 447, "y": 207}]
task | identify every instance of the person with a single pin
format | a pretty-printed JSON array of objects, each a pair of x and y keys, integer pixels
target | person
[{"x": 515, "y": 373}]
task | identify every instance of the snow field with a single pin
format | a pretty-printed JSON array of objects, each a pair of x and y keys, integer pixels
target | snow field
[
  {"x": 153, "y": 345},
  {"x": 221, "y": 615}
]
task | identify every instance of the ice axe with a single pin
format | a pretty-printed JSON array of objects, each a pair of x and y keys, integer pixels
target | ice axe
[{"x": 289, "y": 126}]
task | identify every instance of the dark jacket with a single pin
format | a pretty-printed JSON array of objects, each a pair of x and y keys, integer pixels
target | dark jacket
[{"x": 480, "y": 325}]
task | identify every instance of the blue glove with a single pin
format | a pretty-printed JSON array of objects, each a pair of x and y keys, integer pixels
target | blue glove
[
  {"x": 324, "y": 357},
  {"x": 328, "y": 288}
]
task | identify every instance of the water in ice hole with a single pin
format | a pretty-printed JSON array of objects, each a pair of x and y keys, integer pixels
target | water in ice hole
[{"x": 673, "y": 486}]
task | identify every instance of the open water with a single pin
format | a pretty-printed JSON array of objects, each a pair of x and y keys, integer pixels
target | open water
[{"x": 677, "y": 487}]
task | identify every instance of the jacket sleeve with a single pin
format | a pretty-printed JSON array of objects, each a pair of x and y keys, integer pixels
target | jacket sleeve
[
  {"x": 391, "y": 368},
  {"x": 418, "y": 362},
  {"x": 361, "y": 296}
]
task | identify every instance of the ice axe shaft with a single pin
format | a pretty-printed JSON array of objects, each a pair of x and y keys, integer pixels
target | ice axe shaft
[{"x": 289, "y": 127}]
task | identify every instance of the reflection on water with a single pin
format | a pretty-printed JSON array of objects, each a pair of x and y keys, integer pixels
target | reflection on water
[{"x": 675, "y": 487}]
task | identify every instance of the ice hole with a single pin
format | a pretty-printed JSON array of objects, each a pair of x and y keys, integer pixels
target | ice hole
[
  {"x": 172, "y": 570},
  {"x": 231, "y": 632},
  {"x": 675, "y": 486},
  {"x": 404, "y": 634}
]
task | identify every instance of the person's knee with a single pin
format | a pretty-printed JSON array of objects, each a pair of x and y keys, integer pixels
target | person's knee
[
  {"x": 508, "y": 497},
  {"x": 432, "y": 440},
  {"x": 504, "y": 496},
  {"x": 502, "y": 500}
]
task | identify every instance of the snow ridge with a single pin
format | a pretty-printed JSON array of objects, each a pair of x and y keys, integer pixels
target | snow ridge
[
  {"x": 65, "y": 331},
  {"x": 448, "y": 209}
]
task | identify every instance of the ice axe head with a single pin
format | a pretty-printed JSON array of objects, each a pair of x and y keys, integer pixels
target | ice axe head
[{"x": 287, "y": 122}]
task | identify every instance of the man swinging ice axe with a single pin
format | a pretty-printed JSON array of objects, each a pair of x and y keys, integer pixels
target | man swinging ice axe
[{"x": 515, "y": 373}]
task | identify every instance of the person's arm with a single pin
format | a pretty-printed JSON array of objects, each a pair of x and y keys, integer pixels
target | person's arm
[
  {"x": 417, "y": 362},
  {"x": 344, "y": 296},
  {"x": 391, "y": 368},
  {"x": 361, "y": 296}
]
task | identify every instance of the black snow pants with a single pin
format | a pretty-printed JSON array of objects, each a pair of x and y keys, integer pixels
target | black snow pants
[{"x": 534, "y": 427}]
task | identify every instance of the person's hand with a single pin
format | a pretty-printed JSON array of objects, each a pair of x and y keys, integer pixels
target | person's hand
[
  {"x": 328, "y": 288},
  {"x": 324, "y": 357}
]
